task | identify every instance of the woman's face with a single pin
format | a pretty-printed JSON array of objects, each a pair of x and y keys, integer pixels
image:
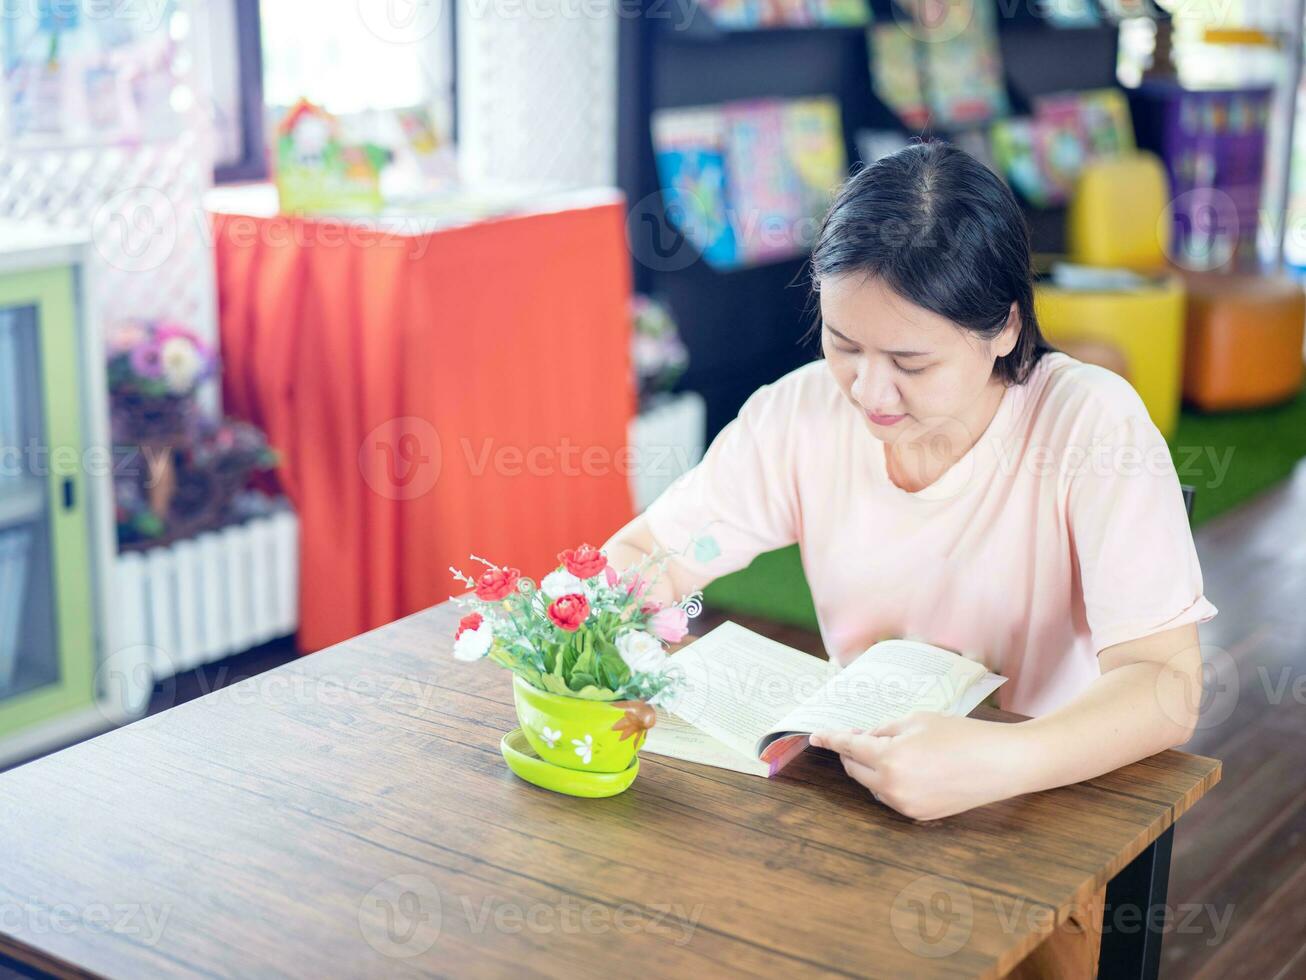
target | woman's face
[{"x": 909, "y": 371}]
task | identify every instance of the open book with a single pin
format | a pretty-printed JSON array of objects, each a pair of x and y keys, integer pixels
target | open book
[{"x": 749, "y": 703}]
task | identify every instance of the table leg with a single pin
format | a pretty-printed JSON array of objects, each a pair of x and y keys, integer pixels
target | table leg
[{"x": 1134, "y": 918}]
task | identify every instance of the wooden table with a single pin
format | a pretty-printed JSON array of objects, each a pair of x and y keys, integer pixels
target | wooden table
[{"x": 349, "y": 814}]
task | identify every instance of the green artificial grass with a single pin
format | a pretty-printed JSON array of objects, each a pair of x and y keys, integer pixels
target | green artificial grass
[{"x": 1261, "y": 447}]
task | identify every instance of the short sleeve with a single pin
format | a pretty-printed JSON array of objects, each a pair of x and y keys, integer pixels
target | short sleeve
[
  {"x": 1138, "y": 567},
  {"x": 741, "y": 499}
]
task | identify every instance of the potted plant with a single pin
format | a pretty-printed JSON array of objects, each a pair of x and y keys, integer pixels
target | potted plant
[
  {"x": 155, "y": 369},
  {"x": 667, "y": 435},
  {"x": 587, "y": 648}
]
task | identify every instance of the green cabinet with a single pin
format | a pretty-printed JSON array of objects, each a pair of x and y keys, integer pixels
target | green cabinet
[{"x": 48, "y": 479}]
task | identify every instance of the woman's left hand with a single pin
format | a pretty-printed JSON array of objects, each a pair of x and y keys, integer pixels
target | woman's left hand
[{"x": 929, "y": 765}]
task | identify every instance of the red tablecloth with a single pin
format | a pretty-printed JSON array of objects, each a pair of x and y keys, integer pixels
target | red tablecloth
[{"x": 464, "y": 391}]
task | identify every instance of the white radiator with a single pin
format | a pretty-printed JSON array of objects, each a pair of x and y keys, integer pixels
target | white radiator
[
  {"x": 665, "y": 442},
  {"x": 199, "y": 600}
]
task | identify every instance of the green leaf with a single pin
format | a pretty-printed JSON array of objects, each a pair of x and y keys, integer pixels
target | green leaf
[
  {"x": 582, "y": 679},
  {"x": 585, "y": 666},
  {"x": 612, "y": 669},
  {"x": 595, "y": 693},
  {"x": 555, "y": 684}
]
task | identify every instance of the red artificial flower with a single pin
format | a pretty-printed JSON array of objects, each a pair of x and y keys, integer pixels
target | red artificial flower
[
  {"x": 496, "y": 583},
  {"x": 583, "y": 562},
  {"x": 472, "y": 621},
  {"x": 568, "y": 612}
]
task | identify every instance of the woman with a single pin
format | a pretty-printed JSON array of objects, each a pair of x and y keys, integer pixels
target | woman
[{"x": 951, "y": 478}]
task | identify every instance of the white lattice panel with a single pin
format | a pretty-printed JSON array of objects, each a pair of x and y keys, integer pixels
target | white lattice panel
[
  {"x": 537, "y": 91},
  {"x": 142, "y": 205}
]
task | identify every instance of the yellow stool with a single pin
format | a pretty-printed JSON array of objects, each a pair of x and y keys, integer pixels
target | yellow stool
[
  {"x": 1146, "y": 326},
  {"x": 1119, "y": 216},
  {"x": 1118, "y": 219}
]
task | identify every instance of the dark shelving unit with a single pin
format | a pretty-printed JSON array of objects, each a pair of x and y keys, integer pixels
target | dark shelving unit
[{"x": 743, "y": 327}]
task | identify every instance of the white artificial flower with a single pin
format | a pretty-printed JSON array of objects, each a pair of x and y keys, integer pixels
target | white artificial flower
[
  {"x": 561, "y": 582},
  {"x": 642, "y": 652},
  {"x": 584, "y": 749},
  {"x": 473, "y": 644},
  {"x": 550, "y": 736},
  {"x": 181, "y": 364}
]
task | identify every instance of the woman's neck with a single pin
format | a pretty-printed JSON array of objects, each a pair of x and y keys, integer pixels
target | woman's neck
[{"x": 916, "y": 462}]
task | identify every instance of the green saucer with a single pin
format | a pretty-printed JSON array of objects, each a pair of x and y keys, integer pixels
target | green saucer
[{"x": 522, "y": 760}]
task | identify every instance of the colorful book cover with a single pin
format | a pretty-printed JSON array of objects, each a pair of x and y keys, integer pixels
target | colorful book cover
[
  {"x": 1012, "y": 143},
  {"x": 1104, "y": 114},
  {"x": 963, "y": 72},
  {"x": 793, "y": 13},
  {"x": 689, "y": 147},
  {"x": 813, "y": 136},
  {"x": 1060, "y": 144},
  {"x": 734, "y": 15},
  {"x": 764, "y": 189},
  {"x": 840, "y": 13},
  {"x": 895, "y": 74}
]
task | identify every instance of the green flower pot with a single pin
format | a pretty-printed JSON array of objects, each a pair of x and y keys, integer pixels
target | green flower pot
[{"x": 579, "y": 734}]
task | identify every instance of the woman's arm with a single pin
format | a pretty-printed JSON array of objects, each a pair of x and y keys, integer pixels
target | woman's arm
[
  {"x": 635, "y": 542},
  {"x": 929, "y": 765},
  {"x": 1146, "y": 701}
]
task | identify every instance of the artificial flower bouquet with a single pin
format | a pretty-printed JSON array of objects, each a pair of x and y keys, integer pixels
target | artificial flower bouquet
[
  {"x": 658, "y": 355},
  {"x": 587, "y": 647},
  {"x": 155, "y": 368},
  {"x": 158, "y": 358}
]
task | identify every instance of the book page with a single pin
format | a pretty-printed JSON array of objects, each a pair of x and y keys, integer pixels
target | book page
[
  {"x": 890, "y": 680},
  {"x": 738, "y": 684},
  {"x": 679, "y": 739}
]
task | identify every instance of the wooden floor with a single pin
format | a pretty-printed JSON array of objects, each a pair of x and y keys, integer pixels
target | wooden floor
[{"x": 1237, "y": 893}]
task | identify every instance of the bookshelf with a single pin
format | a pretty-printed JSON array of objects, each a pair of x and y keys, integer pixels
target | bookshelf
[{"x": 743, "y": 326}]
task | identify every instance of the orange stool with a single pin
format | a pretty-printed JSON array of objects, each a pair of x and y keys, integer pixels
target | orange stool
[{"x": 1244, "y": 340}]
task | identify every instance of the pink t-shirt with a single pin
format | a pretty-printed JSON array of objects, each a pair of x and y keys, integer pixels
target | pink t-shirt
[{"x": 1061, "y": 532}]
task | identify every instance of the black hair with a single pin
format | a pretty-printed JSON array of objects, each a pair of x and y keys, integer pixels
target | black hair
[{"x": 945, "y": 233}]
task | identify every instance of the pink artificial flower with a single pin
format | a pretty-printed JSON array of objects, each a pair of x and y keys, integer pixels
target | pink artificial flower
[
  {"x": 166, "y": 331},
  {"x": 146, "y": 362},
  {"x": 637, "y": 586},
  {"x": 125, "y": 336},
  {"x": 610, "y": 576},
  {"x": 670, "y": 625}
]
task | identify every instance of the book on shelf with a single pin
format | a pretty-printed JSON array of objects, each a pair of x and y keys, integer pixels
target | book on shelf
[
  {"x": 748, "y": 703},
  {"x": 747, "y": 182},
  {"x": 689, "y": 147}
]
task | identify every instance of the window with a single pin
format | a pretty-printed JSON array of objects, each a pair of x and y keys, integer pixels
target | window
[{"x": 352, "y": 57}]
